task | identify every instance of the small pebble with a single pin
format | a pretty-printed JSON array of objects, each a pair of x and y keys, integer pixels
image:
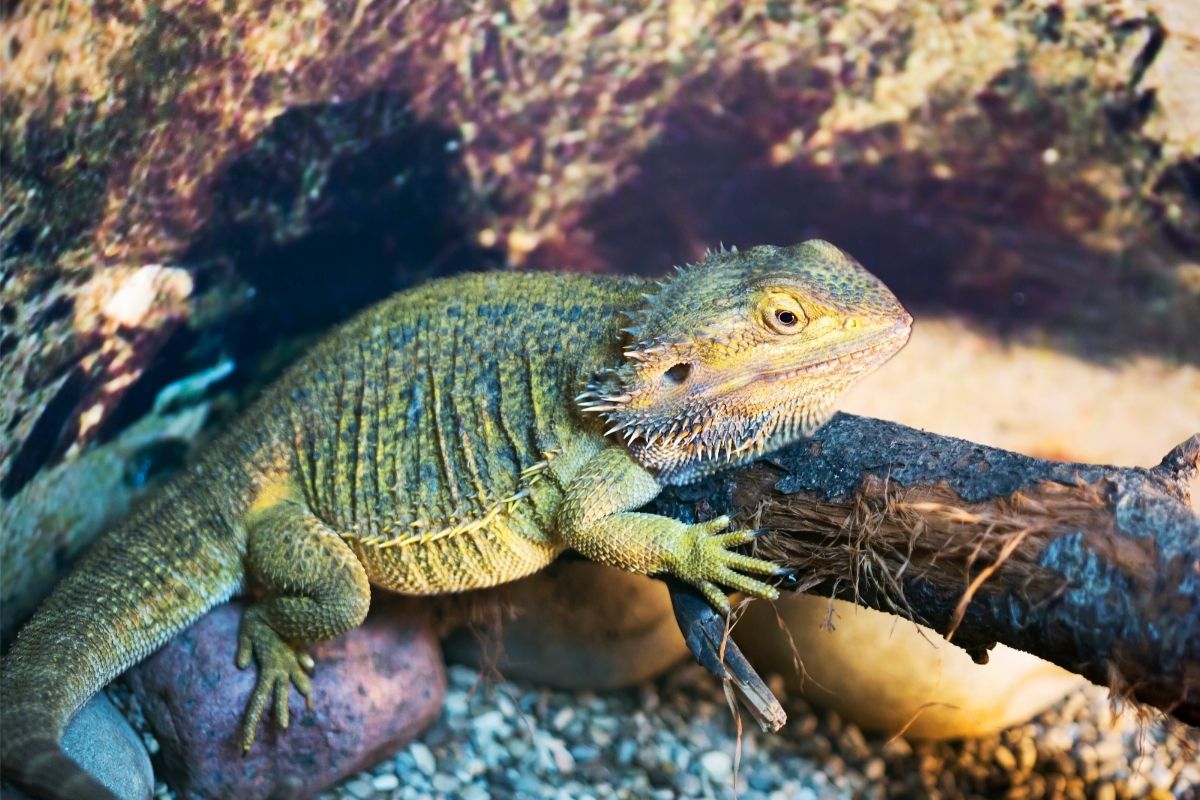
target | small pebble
[
  {"x": 386, "y": 782},
  {"x": 583, "y": 753},
  {"x": 718, "y": 765},
  {"x": 675, "y": 738},
  {"x": 423, "y": 758},
  {"x": 445, "y": 783},
  {"x": 762, "y": 781},
  {"x": 360, "y": 789},
  {"x": 626, "y": 750},
  {"x": 563, "y": 718}
]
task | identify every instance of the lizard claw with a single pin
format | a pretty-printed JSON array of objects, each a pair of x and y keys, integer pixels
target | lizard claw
[
  {"x": 279, "y": 666},
  {"x": 738, "y": 538},
  {"x": 790, "y": 578}
]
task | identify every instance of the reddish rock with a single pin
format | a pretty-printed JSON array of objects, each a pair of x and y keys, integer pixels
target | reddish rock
[{"x": 374, "y": 690}]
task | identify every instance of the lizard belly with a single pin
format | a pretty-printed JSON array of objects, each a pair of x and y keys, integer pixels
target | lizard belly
[{"x": 500, "y": 546}]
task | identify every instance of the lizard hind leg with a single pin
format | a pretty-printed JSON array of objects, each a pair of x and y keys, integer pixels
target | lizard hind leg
[{"x": 315, "y": 589}]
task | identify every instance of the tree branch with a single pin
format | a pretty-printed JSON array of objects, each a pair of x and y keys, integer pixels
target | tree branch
[{"x": 1094, "y": 568}]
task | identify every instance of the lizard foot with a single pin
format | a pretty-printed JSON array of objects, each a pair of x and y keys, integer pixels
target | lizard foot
[
  {"x": 701, "y": 556},
  {"x": 279, "y": 664}
]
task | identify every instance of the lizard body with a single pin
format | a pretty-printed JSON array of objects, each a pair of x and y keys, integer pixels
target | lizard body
[{"x": 456, "y": 436}]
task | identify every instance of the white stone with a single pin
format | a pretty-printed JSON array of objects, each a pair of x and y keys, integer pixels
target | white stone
[
  {"x": 385, "y": 782},
  {"x": 718, "y": 765},
  {"x": 423, "y": 757}
]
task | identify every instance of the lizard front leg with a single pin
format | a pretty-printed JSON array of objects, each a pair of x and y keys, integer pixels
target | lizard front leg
[
  {"x": 316, "y": 589},
  {"x": 595, "y": 519}
]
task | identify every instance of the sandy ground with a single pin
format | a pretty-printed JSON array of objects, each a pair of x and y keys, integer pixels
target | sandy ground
[{"x": 955, "y": 380}]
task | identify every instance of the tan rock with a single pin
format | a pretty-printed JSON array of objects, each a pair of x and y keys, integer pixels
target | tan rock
[
  {"x": 888, "y": 675},
  {"x": 580, "y": 625}
]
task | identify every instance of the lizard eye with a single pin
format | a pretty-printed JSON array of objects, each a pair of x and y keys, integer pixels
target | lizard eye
[{"x": 782, "y": 314}]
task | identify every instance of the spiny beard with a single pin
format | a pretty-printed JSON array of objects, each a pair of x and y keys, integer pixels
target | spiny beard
[{"x": 696, "y": 442}]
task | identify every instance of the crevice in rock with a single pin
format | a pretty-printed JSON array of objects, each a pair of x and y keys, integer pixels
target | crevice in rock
[
  {"x": 48, "y": 436},
  {"x": 335, "y": 207}
]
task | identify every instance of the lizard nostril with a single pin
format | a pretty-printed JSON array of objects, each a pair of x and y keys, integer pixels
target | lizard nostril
[{"x": 677, "y": 374}]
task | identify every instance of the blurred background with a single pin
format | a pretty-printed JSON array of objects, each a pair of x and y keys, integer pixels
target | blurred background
[{"x": 192, "y": 191}]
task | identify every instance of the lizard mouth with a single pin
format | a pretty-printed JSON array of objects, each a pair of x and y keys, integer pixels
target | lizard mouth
[{"x": 888, "y": 342}]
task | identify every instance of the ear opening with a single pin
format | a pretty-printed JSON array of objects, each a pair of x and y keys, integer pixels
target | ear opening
[{"x": 678, "y": 373}]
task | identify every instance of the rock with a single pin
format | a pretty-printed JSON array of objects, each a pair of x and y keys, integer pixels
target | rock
[
  {"x": 423, "y": 757},
  {"x": 581, "y": 625},
  {"x": 55, "y": 516},
  {"x": 101, "y": 741},
  {"x": 718, "y": 765},
  {"x": 374, "y": 690},
  {"x": 104, "y": 744},
  {"x": 882, "y": 673},
  {"x": 385, "y": 783}
]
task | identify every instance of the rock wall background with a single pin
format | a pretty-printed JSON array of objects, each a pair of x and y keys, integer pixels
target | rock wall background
[{"x": 187, "y": 183}]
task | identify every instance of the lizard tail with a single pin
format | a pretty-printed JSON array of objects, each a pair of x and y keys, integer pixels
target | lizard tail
[
  {"x": 135, "y": 588},
  {"x": 38, "y": 765}
]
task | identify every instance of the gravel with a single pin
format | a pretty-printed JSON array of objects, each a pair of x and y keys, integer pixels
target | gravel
[{"x": 676, "y": 738}]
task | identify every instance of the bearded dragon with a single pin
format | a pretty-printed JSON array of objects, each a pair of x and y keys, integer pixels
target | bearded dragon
[{"x": 457, "y": 436}]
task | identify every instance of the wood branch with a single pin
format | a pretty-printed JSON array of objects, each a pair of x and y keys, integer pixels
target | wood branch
[{"x": 1094, "y": 568}]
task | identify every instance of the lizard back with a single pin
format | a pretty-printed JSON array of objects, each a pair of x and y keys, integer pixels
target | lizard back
[{"x": 441, "y": 458}]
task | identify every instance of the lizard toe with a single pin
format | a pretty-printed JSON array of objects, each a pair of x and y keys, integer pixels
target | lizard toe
[
  {"x": 714, "y": 525},
  {"x": 254, "y": 711},
  {"x": 282, "y": 712},
  {"x": 280, "y": 665},
  {"x": 757, "y": 566},
  {"x": 743, "y": 583},
  {"x": 245, "y": 651},
  {"x": 715, "y": 597},
  {"x": 737, "y": 538}
]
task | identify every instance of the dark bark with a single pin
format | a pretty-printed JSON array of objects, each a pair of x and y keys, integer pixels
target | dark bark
[{"x": 1095, "y": 568}]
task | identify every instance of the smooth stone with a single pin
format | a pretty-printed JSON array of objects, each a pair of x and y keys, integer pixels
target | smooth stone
[
  {"x": 423, "y": 757},
  {"x": 882, "y": 673},
  {"x": 101, "y": 741},
  {"x": 580, "y": 625},
  {"x": 374, "y": 690},
  {"x": 718, "y": 765},
  {"x": 386, "y": 782}
]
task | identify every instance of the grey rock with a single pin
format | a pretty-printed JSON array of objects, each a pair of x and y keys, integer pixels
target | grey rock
[
  {"x": 360, "y": 789},
  {"x": 445, "y": 783},
  {"x": 423, "y": 757},
  {"x": 104, "y": 744}
]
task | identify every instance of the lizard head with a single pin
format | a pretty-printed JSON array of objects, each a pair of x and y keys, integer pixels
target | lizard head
[{"x": 743, "y": 353}]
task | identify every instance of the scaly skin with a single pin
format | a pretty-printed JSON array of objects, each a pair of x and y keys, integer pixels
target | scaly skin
[{"x": 439, "y": 443}]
